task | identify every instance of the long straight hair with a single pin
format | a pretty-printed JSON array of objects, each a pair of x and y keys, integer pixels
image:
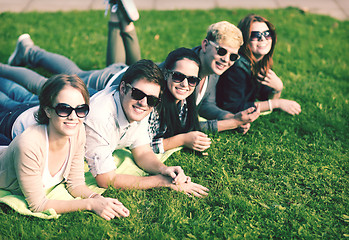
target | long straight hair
[
  {"x": 168, "y": 110},
  {"x": 266, "y": 62}
]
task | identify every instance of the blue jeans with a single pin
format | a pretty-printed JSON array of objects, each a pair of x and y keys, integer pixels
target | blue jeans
[
  {"x": 55, "y": 63},
  {"x": 13, "y": 95},
  {"x": 4, "y": 141},
  {"x": 23, "y": 76},
  {"x": 33, "y": 81},
  {"x": 14, "y": 100}
]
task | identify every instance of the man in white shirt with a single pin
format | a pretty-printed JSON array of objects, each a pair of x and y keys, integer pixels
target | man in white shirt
[{"x": 118, "y": 119}]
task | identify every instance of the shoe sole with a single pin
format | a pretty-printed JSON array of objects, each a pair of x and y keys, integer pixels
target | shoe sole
[
  {"x": 130, "y": 9},
  {"x": 13, "y": 55}
]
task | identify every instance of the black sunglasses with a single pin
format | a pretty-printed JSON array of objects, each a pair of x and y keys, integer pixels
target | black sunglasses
[
  {"x": 64, "y": 110},
  {"x": 137, "y": 94},
  {"x": 257, "y": 36},
  {"x": 222, "y": 52},
  {"x": 178, "y": 77}
]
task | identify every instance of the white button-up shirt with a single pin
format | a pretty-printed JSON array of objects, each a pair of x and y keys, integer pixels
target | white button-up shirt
[{"x": 108, "y": 129}]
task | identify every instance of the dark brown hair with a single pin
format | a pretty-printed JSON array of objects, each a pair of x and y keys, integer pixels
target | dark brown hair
[
  {"x": 168, "y": 110},
  {"x": 52, "y": 88},
  {"x": 266, "y": 63},
  {"x": 144, "y": 69}
]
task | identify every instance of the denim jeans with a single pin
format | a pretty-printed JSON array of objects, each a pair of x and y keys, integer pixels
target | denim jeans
[
  {"x": 94, "y": 79},
  {"x": 23, "y": 76},
  {"x": 56, "y": 64},
  {"x": 13, "y": 95},
  {"x": 14, "y": 100}
]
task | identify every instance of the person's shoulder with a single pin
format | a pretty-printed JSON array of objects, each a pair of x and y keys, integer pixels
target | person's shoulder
[
  {"x": 33, "y": 137},
  {"x": 242, "y": 62},
  {"x": 104, "y": 93},
  {"x": 213, "y": 78},
  {"x": 102, "y": 101},
  {"x": 161, "y": 65},
  {"x": 28, "y": 143},
  {"x": 197, "y": 49},
  {"x": 3, "y": 150},
  {"x": 240, "y": 65},
  {"x": 33, "y": 132}
]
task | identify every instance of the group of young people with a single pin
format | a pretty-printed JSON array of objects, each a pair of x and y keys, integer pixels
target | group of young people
[{"x": 148, "y": 108}]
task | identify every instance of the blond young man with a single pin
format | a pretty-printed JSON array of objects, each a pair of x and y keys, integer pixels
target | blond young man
[{"x": 217, "y": 52}]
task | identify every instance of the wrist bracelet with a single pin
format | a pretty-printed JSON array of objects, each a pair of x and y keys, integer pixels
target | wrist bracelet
[
  {"x": 270, "y": 105},
  {"x": 92, "y": 195}
]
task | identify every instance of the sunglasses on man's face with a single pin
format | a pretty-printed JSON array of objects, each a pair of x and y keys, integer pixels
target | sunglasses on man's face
[
  {"x": 222, "y": 52},
  {"x": 64, "y": 110},
  {"x": 178, "y": 77},
  {"x": 137, "y": 94},
  {"x": 257, "y": 36}
]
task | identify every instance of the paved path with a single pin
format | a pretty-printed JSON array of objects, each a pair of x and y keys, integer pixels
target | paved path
[{"x": 336, "y": 8}]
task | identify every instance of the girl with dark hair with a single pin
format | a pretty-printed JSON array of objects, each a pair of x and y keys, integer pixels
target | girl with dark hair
[
  {"x": 251, "y": 78},
  {"x": 52, "y": 151},
  {"x": 175, "y": 121}
]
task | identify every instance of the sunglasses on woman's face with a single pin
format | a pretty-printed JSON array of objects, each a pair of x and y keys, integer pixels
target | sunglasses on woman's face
[
  {"x": 137, "y": 94},
  {"x": 257, "y": 36},
  {"x": 64, "y": 110},
  {"x": 222, "y": 52},
  {"x": 178, "y": 77}
]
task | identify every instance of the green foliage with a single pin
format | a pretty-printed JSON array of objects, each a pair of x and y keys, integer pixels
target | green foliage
[{"x": 287, "y": 178}]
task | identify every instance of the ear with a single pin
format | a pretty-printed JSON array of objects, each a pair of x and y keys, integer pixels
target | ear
[
  {"x": 204, "y": 45},
  {"x": 122, "y": 88},
  {"x": 48, "y": 112}
]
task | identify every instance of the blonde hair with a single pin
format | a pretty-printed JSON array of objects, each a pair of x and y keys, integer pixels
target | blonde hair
[{"x": 225, "y": 33}]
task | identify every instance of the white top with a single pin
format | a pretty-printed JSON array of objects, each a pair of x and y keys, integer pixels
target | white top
[
  {"x": 108, "y": 129},
  {"x": 48, "y": 180},
  {"x": 201, "y": 93},
  {"x": 116, "y": 75}
]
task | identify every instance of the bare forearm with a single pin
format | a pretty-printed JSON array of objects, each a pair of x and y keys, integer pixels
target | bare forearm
[
  {"x": 227, "y": 124},
  {"x": 81, "y": 191},
  {"x": 63, "y": 206},
  {"x": 149, "y": 163},
  {"x": 146, "y": 159},
  {"x": 136, "y": 182},
  {"x": 108, "y": 208},
  {"x": 173, "y": 142}
]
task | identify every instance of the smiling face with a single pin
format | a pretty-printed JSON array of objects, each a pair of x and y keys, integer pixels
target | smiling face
[
  {"x": 136, "y": 110},
  {"x": 70, "y": 125},
  {"x": 182, "y": 90},
  {"x": 262, "y": 46},
  {"x": 213, "y": 61}
]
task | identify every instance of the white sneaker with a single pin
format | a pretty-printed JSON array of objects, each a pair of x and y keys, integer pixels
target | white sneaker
[
  {"x": 127, "y": 7},
  {"x": 18, "y": 57}
]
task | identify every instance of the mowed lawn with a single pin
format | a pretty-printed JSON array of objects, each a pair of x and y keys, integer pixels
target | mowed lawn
[{"x": 287, "y": 178}]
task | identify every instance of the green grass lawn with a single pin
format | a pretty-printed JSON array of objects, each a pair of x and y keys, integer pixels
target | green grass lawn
[{"x": 287, "y": 178}]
